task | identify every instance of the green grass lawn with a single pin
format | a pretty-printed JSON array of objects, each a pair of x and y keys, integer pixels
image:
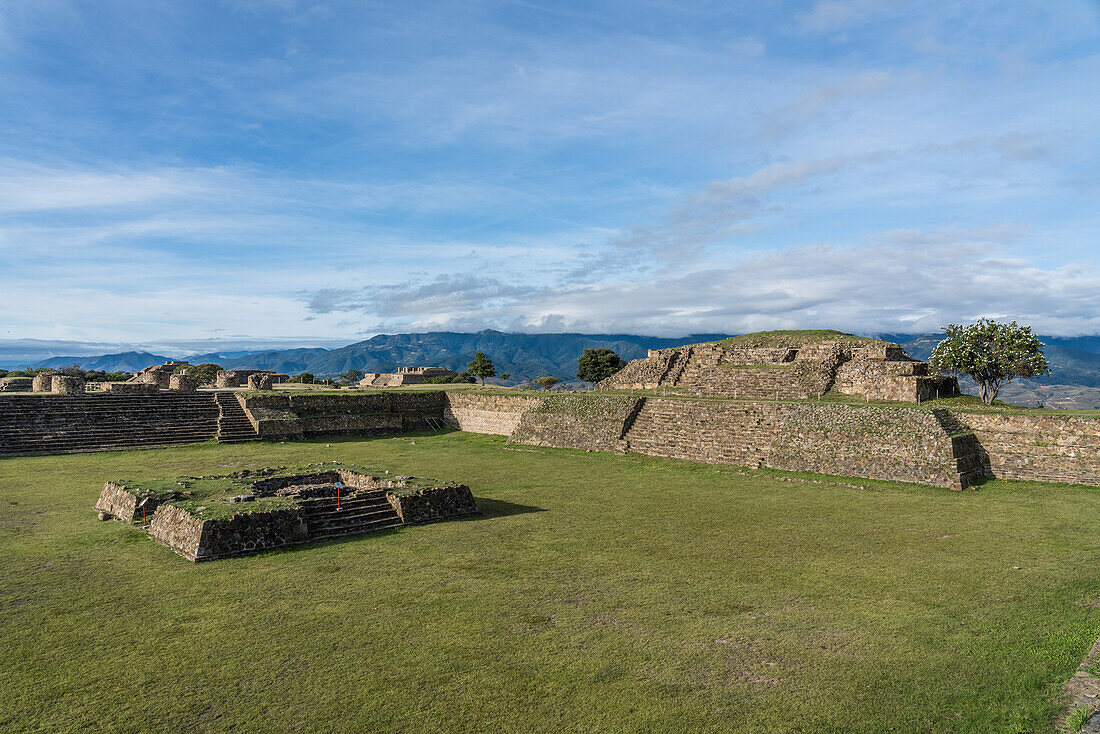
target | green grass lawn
[{"x": 596, "y": 593}]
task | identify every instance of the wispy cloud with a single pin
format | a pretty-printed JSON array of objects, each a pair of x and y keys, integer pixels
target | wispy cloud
[
  {"x": 274, "y": 167},
  {"x": 900, "y": 281}
]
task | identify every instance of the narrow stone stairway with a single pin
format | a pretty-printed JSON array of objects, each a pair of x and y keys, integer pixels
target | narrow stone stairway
[
  {"x": 233, "y": 423},
  {"x": 360, "y": 511}
]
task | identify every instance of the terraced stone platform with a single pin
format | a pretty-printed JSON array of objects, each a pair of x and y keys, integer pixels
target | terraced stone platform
[{"x": 204, "y": 518}]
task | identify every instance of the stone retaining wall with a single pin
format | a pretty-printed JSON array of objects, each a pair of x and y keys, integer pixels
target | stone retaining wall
[
  {"x": 122, "y": 504},
  {"x": 595, "y": 422},
  {"x": 1043, "y": 448},
  {"x": 201, "y": 540},
  {"x": 708, "y": 431},
  {"x": 280, "y": 416},
  {"x": 497, "y": 414},
  {"x": 876, "y": 442},
  {"x": 433, "y": 503}
]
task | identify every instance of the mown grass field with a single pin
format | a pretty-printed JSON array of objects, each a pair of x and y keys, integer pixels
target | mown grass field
[{"x": 597, "y": 593}]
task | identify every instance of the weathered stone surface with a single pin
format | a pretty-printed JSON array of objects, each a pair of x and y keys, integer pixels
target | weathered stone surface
[
  {"x": 43, "y": 382},
  {"x": 197, "y": 539},
  {"x": 293, "y": 416},
  {"x": 1044, "y": 448},
  {"x": 16, "y": 384},
  {"x": 404, "y": 376},
  {"x": 430, "y": 504},
  {"x": 66, "y": 385},
  {"x": 260, "y": 381},
  {"x": 878, "y": 371},
  {"x": 132, "y": 388},
  {"x": 595, "y": 422},
  {"x": 182, "y": 383},
  {"x": 125, "y": 505},
  {"x": 497, "y": 414}
]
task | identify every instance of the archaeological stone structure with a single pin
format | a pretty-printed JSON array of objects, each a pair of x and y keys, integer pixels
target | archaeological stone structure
[
  {"x": 240, "y": 378},
  {"x": 16, "y": 384},
  {"x": 404, "y": 376},
  {"x": 744, "y": 369},
  {"x": 210, "y": 517},
  {"x": 745, "y": 404},
  {"x": 159, "y": 375}
]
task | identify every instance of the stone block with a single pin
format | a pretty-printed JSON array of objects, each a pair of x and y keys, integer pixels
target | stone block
[
  {"x": 260, "y": 381},
  {"x": 16, "y": 384},
  {"x": 43, "y": 382},
  {"x": 182, "y": 383},
  {"x": 66, "y": 385}
]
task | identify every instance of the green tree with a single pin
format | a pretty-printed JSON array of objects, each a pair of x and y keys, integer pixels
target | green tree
[
  {"x": 3, "y": 373},
  {"x": 546, "y": 382},
  {"x": 504, "y": 375},
  {"x": 993, "y": 354},
  {"x": 481, "y": 367},
  {"x": 350, "y": 377},
  {"x": 598, "y": 364},
  {"x": 306, "y": 378},
  {"x": 203, "y": 374}
]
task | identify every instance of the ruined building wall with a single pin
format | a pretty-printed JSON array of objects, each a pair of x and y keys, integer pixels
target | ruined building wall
[
  {"x": 708, "y": 431},
  {"x": 866, "y": 441},
  {"x": 593, "y": 422},
  {"x": 1043, "y": 448},
  {"x": 497, "y": 414},
  {"x": 300, "y": 416}
]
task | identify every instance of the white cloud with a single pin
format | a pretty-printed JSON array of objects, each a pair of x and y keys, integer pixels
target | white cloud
[{"x": 900, "y": 281}]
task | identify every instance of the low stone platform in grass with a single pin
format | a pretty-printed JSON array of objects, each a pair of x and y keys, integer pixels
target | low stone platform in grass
[{"x": 208, "y": 517}]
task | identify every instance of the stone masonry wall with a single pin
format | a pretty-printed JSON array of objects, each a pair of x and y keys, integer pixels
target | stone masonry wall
[
  {"x": 595, "y": 422},
  {"x": 433, "y": 503},
  {"x": 1043, "y": 448},
  {"x": 708, "y": 431},
  {"x": 300, "y": 416},
  {"x": 877, "y": 442},
  {"x": 497, "y": 414},
  {"x": 178, "y": 529},
  {"x": 200, "y": 540}
]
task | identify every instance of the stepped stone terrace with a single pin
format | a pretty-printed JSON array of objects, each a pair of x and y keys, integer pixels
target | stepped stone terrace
[
  {"x": 787, "y": 365},
  {"x": 209, "y": 517}
]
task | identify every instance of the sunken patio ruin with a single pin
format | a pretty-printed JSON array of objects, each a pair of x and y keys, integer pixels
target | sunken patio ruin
[{"x": 209, "y": 517}]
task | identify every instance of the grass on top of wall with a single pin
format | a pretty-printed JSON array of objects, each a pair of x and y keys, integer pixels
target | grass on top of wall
[{"x": 596, "y": 593}]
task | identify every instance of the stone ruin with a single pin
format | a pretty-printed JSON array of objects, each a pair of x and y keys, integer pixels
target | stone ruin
[
  {"x": 209, "y": 517},
  {"x": 43, "y": 382},
  {"x": 16, "y": 384},
  {"x": 261, "y": 381},
  {"x": 241, "y": 378},
  {"x": 875, "y": 370},
  {"x": 159, "y": 375},
  {"x": 404, "y": 376}
]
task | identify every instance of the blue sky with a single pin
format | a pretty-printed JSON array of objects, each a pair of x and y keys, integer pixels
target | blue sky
[{"x": 196, "y": 173}]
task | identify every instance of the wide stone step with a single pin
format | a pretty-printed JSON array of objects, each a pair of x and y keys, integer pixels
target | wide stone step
[
  {"x": 352, "y": 522},
  {"x": 373, "y": 527},
  {"x": 347, "y": 512}
]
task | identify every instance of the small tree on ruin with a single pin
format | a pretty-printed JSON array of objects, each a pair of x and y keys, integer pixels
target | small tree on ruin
[
  {"x": 597, "y": 364},
  {"x": 991, "y": 353},
  {"x": 481, "y": 367}
]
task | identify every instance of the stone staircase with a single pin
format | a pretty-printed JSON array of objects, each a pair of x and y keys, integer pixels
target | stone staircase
[
  {"x": 360, "y": 511},
  {"x": 233, "y": 423},
  {"x": 971, "y": 458},
  {"x": 676, "y": 367},
  {"x": 56, "y": 424}
]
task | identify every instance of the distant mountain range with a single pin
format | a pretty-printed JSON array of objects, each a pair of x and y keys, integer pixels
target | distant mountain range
[{"x": 1074, "y": 382}]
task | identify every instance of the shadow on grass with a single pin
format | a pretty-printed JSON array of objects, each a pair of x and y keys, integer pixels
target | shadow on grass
[{"x": 498, "y": 508}]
